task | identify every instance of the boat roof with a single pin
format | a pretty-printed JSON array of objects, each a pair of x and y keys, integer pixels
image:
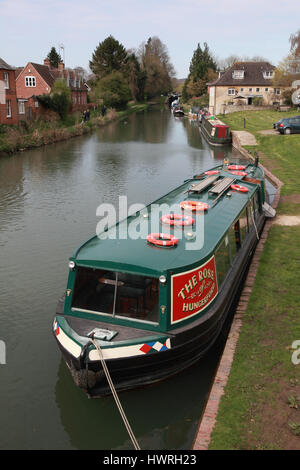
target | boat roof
[
  {"x": 123, "y": 248},
  {"x": 215, "y": 121}
]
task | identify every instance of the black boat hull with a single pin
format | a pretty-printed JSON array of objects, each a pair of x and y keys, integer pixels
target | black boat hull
[{"x": 189, "y": 343}]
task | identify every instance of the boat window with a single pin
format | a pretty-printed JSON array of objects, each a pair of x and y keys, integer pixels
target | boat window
[
  {"x": 243, "y": 225},
  {"x": 233, "y": 246},
  {"x": 222, "y": 260},
  {"x": 116, "y": 294}
]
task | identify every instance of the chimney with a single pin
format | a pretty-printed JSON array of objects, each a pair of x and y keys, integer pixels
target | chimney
[
  {"x": 61, "y": 66},
  {"x": 47, "y": 62}
]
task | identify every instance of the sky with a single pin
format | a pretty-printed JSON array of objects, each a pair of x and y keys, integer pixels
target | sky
[{"x": 29, "y": 28}]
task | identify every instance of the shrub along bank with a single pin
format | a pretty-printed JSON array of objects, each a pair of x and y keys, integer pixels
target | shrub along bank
[{"x": 30, "y": 135}]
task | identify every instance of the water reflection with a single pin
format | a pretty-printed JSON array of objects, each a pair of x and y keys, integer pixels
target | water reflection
[
  {"x": 162, "y": 416},
  {"x": 138, "y": 128}
]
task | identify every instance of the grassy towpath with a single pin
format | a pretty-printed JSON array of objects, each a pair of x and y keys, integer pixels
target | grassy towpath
[{"x": 261, "y": 405}]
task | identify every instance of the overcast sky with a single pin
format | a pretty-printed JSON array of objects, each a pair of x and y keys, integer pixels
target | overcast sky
[{"x": 29, "y": 28}]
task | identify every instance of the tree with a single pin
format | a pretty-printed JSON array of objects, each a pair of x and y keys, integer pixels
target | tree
[
  {"x": 114, "y": 90},
  {"x": 294, "y": 55},
  {"x": 155, "y": 62},
  {"x": 202, "y": 69},
  {"x": 59, "y": 99},
  {"x": 287, "y": 70},
  {"x": 109, "y": 56},
  {"x": 223, "y": 64},
  {"x": 82, "y": 72},
  {"x": 60, "y": 86},
  {"x": 54, "y": 58},
  {"x": 136, "y": 77}
]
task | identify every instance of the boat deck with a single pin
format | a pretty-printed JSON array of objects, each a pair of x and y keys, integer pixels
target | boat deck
[{"x": 118, "y": 249}]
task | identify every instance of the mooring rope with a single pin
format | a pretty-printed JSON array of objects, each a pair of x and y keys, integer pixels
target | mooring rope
[
  {"x": 112, "y": 387},
  {"x": 251, "y": 211}
]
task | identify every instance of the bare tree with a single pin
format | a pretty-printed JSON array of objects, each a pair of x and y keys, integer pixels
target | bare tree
[
  {"x": 155, "y": 61},
  {"x": 223, "y": 64}
]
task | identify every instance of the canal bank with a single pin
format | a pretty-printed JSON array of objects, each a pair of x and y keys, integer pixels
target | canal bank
[
  {"x": 32, "y": 135},
  {"x": 255, "y": 399}
]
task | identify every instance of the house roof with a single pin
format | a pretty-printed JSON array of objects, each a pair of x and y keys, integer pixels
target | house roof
[
  {"x": 18, "y": 70},
  {"x": 45, "y": 73},
  {"x": 49, "y": 75},
  {"x": 253, "y": 74},
  {"x": 5, "y": 66}
]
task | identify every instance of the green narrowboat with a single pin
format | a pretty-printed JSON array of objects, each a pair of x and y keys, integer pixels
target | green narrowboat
[
  {"x": 154, "y": 290},
  {"x": 214, "y": 130}
]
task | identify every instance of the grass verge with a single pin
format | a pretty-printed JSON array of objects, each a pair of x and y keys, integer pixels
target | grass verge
[
  {"x": 255, "y": 412},
  {"x": 261, "y": 405}
]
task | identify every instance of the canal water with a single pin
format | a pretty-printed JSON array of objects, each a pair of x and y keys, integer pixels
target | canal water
[{"x": 48, "y": 202}]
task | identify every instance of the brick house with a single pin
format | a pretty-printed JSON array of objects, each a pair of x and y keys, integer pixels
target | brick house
[
  {"x": 37, "y": 79},
  {"x": 8, "y": 97},
  {"x": 241, "y": 85}
]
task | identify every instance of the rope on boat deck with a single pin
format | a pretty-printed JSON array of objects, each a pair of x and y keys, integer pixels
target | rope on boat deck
[
  {"x": 257, "y": 236},
  {"x": 113, "y": 390}
]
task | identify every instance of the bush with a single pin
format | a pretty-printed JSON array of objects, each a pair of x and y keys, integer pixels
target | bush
[
  {"x": 114, "y": 90},
  {"x": 257, "y": 101}
]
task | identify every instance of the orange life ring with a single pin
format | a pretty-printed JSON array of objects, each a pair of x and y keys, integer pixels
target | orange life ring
[
  {"x": 162, "y": 239},
  {"x": 237, "y": 187},
  {"x": 177, "y": 219},
  {"x": 239, "y": 173},
  {"x": 236, "y": 167},
  {"x": 194, "y": 205},
  {"x": 212, "y": 172}
]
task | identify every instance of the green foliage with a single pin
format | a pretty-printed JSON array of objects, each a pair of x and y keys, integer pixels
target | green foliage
[
  {"x": 3, "y": 128},
  {"x": 59, "y": 100},
  {"x": 109, "y": 56},
  {"x": 114, "y": 90},
  {"x": 54, "y": 57},
  {"x": 201, "y": 62},
  {"x": 136, "y": 78},
  {"x": 257, "y": 101},
  {"x": 60, "y": 104},
  {"x": 202, "y": 70},
  {"x": 60, "y": 86},
  {"x": 157, "y": 67}
]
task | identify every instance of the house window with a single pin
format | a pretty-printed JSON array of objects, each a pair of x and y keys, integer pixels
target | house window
[
  {"x": 8, "y": 108},
  {"x": 6, "y": 80},
  {"x": 250, "y": 89},
  {"x": 242, "y": 89},
  {"x": 268, "y": 74},
  {"x": 277, "y": 91},
  {"x": 266, "y": 89},
  {"x": 30, "y": 81},
  {"x": 239, "y": 74},
  {"x": 21, "y": 105},
  {"x": 257, "y": 90},
  {"x": 231, "y": 91}
]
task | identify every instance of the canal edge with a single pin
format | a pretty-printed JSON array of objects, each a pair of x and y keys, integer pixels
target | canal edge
[{"x": 209, "y": 416}]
